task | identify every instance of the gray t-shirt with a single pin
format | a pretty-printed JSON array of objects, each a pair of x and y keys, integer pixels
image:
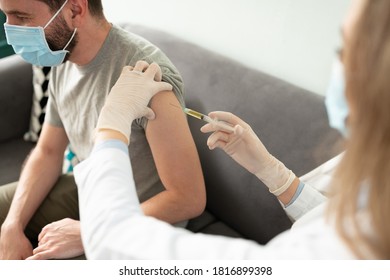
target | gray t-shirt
[{"x": 77, "y": 94}]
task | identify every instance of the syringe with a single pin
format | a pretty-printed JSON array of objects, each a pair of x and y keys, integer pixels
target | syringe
[{"x": 206, "y": 118}]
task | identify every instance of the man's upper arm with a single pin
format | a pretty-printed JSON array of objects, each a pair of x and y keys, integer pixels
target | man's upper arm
[{"x": 176, "y": 157}]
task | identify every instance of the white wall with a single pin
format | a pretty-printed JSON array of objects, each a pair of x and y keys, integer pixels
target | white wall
[{"x": 291, "y": 39}]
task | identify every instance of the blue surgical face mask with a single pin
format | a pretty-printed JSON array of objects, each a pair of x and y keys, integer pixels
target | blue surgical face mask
[
  {"x": 30, "y": 43},
  {"x": 335, "y": 101}
]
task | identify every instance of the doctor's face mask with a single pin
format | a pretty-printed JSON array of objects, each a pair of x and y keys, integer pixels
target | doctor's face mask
[
  {"x": 31, "y": 44},
  {"x": 335, "y": 101}
]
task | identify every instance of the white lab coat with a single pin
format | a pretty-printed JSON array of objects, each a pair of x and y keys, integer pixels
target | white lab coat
[{"x": 114, "y": 227}]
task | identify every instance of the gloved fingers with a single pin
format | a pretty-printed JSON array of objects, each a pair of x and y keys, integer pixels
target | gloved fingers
[
  {"x": 210, "y": 127},
  {"x": 163, "y": 86},
  {"x": 141, "y": 66},
  {"x": 216, "y": 137},
  {"x": 123, "y": 79},
  {"x": 149, "y": 114},
  {"x": 218, "y": 144},
  {"x": 207, "y": 128},
  {"x": 227, "y": 117},
  {"x": 238, "y": 130},
  {"x": 154, "y": 71},
  {"x": 127, "y": 69}
]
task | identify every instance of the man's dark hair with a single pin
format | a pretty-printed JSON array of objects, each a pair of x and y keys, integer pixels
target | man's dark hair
[{"x": 95, "y": 6}]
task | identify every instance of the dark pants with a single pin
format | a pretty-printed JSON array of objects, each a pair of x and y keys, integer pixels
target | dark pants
[{"x": 60, "y": 203}]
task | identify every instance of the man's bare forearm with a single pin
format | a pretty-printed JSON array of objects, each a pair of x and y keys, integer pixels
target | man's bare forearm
[{"x": 38, "y": 177}]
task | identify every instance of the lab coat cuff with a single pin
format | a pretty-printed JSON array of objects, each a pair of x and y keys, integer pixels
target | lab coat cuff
[
  {"x": 111, "y": 143},
  {"x": 306, "y": 200}
]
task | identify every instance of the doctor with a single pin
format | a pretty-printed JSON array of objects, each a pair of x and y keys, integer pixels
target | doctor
[{"x": 349, "y": 225}]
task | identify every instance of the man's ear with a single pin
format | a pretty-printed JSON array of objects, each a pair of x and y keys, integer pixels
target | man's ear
[{"x": 79, "y": 9}]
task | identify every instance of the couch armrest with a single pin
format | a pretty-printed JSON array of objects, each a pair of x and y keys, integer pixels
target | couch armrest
[{"x": 16, "y": 92}]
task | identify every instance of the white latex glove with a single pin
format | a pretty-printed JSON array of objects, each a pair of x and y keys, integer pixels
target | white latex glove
[
  {"x": 129, "y": 97},
  {"x": 247, "y": 150}
]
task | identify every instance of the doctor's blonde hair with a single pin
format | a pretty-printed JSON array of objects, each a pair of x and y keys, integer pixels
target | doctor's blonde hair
[{"x": 365, "y": 166}]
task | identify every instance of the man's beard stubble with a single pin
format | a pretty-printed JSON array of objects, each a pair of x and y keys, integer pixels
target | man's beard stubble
[{"x": 59, "y": 36}]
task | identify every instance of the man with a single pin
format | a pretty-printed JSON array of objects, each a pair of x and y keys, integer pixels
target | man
[{"x": 90, "y": 54}]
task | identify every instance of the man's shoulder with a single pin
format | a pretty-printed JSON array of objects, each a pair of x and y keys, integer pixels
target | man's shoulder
[{"x": 126, "y": 37}]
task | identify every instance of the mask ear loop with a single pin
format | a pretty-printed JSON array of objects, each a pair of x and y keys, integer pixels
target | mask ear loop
[
  {"x": 70, "y": 40},
  {"x": 56, "y": 14}
]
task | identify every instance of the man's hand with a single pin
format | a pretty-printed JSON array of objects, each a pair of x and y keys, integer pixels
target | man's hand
[
  {"x": 14, "y": 245},
  {"x": 59, "y": 240}
]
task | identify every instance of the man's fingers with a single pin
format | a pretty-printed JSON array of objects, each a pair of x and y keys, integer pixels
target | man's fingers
[
  {"x": 40, "y": 256},
  {"x": 43, "y": 232}
]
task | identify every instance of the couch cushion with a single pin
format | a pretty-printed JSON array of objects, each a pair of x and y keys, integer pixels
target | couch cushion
[
  {"x": 15, "y": 97},
  {"x": 208, "y": 223},
  {"x": 13, "y": 154}
]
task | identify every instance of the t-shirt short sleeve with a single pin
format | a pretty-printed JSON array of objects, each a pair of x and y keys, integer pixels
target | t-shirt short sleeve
[
  {"x": 170, "y": 76},
  {"x": 52, "y": 116}
]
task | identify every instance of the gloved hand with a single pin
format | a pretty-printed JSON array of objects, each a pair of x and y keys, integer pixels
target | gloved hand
[
  {"x": 247, "y": 150},
  {"x": 129, "y": 97}
]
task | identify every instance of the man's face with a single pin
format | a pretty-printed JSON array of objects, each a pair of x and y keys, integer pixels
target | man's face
[
  {"x": 36, "y": 13},
  {"x": 26, "y": 12}
]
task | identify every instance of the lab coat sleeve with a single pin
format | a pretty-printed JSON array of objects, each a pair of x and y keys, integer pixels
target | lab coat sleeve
[
  {"x": 114, "y": 227},
  {"x": 106, "y": 197},
  {"x": 317, "y": 183}
]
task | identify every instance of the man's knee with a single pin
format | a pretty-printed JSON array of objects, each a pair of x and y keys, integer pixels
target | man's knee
[
  {"x": 6, "y": 195},
  {"x": 60, "y": 203}
]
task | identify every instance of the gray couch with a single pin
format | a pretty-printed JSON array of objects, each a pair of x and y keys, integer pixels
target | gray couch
[
  {"x": 16, "y": 91},
  {"x": 291, "y": 122}
]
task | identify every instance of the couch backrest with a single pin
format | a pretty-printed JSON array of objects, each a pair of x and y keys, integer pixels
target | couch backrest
[
  {"x": 290, "y": 121},
  {"x": 16, "y": 91}
]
